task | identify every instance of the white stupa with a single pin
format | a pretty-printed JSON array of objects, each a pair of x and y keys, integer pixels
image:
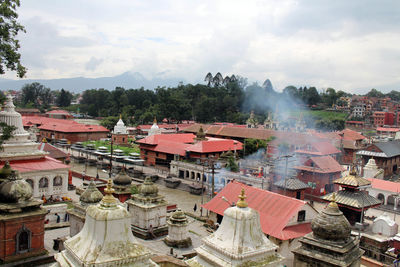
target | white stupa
[
  {"x": 105, "y": 240},
  {"x": 371, "y": 170},
  {"x": 120, "y": 127},
  {"x": 154, "y": 128},
  {"x": 19, "y": 146},
  {"x": 239, "y": 241}
]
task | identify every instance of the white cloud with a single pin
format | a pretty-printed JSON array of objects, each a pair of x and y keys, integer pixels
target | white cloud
[{"x": 340, "y": 44}]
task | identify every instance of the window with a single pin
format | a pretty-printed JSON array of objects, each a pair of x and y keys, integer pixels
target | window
[
  {"x": 23, "y": 240},
  {"x": 301, "y": 216},
  {"x": 43, "y": 182},
  {"x": 57, "y": 181}
]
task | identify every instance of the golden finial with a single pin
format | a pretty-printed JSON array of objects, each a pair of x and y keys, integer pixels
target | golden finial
[
  {"x": 109, "y": 198},
  {"x": 120, "y": 116},
  {"x": 155, "y": 120},
  {"x": 353, "y": 170},
  {"x": 44, "y": 140},
  {"x": 333, "y": 203},
  {"x": 241, "y": 202}
]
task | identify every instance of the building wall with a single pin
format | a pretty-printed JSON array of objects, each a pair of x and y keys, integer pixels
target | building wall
[
  {"x": 120, "y": 139},
  {"x": 289, "y": 193},
  {"x": 320, "y": 180},
  {"x": 51, "y": 189},
  {"x": 8, "y": 235}
]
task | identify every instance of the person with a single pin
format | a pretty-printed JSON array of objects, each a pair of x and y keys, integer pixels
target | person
[
  {"x": 195, "y": 207},
  {"x": 58, "y": 217},
  {"x": 151, "y": 231}
]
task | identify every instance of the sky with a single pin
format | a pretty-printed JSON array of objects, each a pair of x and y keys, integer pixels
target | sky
[{"x": 347, "y": 45}]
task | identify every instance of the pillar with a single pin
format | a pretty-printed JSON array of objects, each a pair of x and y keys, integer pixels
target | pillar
[
  {"x": 50, "y": 188},
  {"x": 36, "y": 187}
]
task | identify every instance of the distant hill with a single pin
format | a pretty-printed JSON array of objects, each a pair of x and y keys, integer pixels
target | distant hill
[{"x": 127, "y": 80}]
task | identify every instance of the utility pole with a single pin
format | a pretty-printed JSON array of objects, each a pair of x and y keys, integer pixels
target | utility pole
[
  {"x": 286, "y": 164},
  {"x": 212, "y": 178}
]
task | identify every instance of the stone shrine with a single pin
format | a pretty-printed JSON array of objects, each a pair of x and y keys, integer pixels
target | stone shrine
[
  {"x": 239, "y": 241},
  {"x": 105, "y": 240},
  {"x": 177, "y": 231},
  {"x": 122, "y": 186},
  {"x": 148, "y": 210},
  {"x": 77, "y": 215},
  {"x": 21, "y": 220},
  {"x": 330, "y": 243},
  {"x": 371, "y": 170}
]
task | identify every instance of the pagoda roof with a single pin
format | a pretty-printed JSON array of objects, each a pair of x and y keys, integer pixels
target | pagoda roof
[
  {"x": 356, "y": 200},
  {"x": 352, "y": 179},
  {"x": 291, "y": 184}
]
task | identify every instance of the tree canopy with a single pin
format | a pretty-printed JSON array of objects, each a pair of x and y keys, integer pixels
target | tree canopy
[{"x": 9, "y": 45}]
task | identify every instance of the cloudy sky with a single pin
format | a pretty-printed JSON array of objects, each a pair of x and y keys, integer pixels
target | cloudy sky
[{"x": 342, "y": 44}]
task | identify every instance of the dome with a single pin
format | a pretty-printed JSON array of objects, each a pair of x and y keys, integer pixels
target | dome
[
  {"x": 6, "y": 170},
  {"x": 154, "y": 128},
  {"x": 122, "y": 178},
  {"x": 91, "y": 194},
  {"x": 148, "y": 188},
  {"x": 331, "y": 224},
  {"x": 178, "y": 217},
  {"x": 15, "y": 189}
]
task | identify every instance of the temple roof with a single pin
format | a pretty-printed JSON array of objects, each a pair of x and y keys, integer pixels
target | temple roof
[
  {"x": 352, "y": 179},
  {"x": 356, "y": 200},
  {"x": 291, "y": 183}
]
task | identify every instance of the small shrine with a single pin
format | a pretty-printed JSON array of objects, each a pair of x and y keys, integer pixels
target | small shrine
[
  {"x": 148, "y": 210},
  {"x": 330, "y": 243},
  {"x": 178, "y": 235},
  {"x": 21, "y": 220},
  {"x": 105, "y": 239},
  {"x": 351, "y": 199},
  {"x": 154, "y": 128},
  {"x": 77, "y": 215},
  {"x": 239, "y": 241},
  {"x": 291, "y": 187},
  {"x": 120, "y": 133},
  {"x": 122, "y": 186},
  {"x": 252, "y": 122},
  {"x": 371, "y": 170}
]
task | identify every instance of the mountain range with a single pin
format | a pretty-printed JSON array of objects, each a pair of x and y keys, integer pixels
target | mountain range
[{"x": 127, "y": 80}]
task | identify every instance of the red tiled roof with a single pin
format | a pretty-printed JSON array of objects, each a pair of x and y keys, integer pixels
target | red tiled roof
[
  {"x": 355, "y": 122},
  {"x": 54, "y": 152},
  {"x": 157, "y": 138},
  {"x": 324, "y": 164},
  {"x": 58, "y": 111},
  {"x": 180, "y": 143},
  {"x": 384, "y": 129},
  {"x": 347, "y": 135},
  {"x": 384, "y": 185},
  {"x": 275, "y": 210},
  {"x": 325, "y": 148},
  {"x": 45, "y": 163},
  {"x": 72, "y": 128},
  {"x": 29, "y": 120}
]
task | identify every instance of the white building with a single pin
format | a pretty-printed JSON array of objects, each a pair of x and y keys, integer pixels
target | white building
[
  {"x": 154, "y": 129},
  {"x": 47, "y": 176},
  {"x": 120, "y": 127},
  {"x": 359, "y": 110}
]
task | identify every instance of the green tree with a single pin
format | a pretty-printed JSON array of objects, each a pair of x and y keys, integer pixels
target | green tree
[
  {"x": 64, "y": 98},
  {"x": 9, "y": 45},
  {"x": 252, "y": 145},
  {"x": 38, "y": 94},
  {"x": 374, "y": 93},
  {"x": 232, "y": 165}
]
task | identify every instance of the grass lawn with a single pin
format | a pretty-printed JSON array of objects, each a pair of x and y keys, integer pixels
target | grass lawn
[{"x": 133, "y": 148}]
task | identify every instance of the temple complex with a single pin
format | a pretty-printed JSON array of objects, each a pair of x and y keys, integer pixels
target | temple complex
[
  {"x": 21, "y": 219},
  {"x": 239, "y": 241},
  {"x": 77, "y": 215},
  {"x": 120, "y": 133},
  {"x": 351, "y": 199},
  {"x": 178, "y": 235},
  {"x": 47, "y": 176},
  {"x": 252, "y": 122},
  {"x": 148, "y": 210},
  {"x": 330, "y": 243},
  {"x": 105, "y": 240}
]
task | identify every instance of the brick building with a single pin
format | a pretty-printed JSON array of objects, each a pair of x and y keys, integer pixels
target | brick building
[
  {"x": 383, "y": 118},
  {"x": 386, "y": 155},
  {"x": 160, "y": 149},
  {"x": 319, "y": 173}
]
